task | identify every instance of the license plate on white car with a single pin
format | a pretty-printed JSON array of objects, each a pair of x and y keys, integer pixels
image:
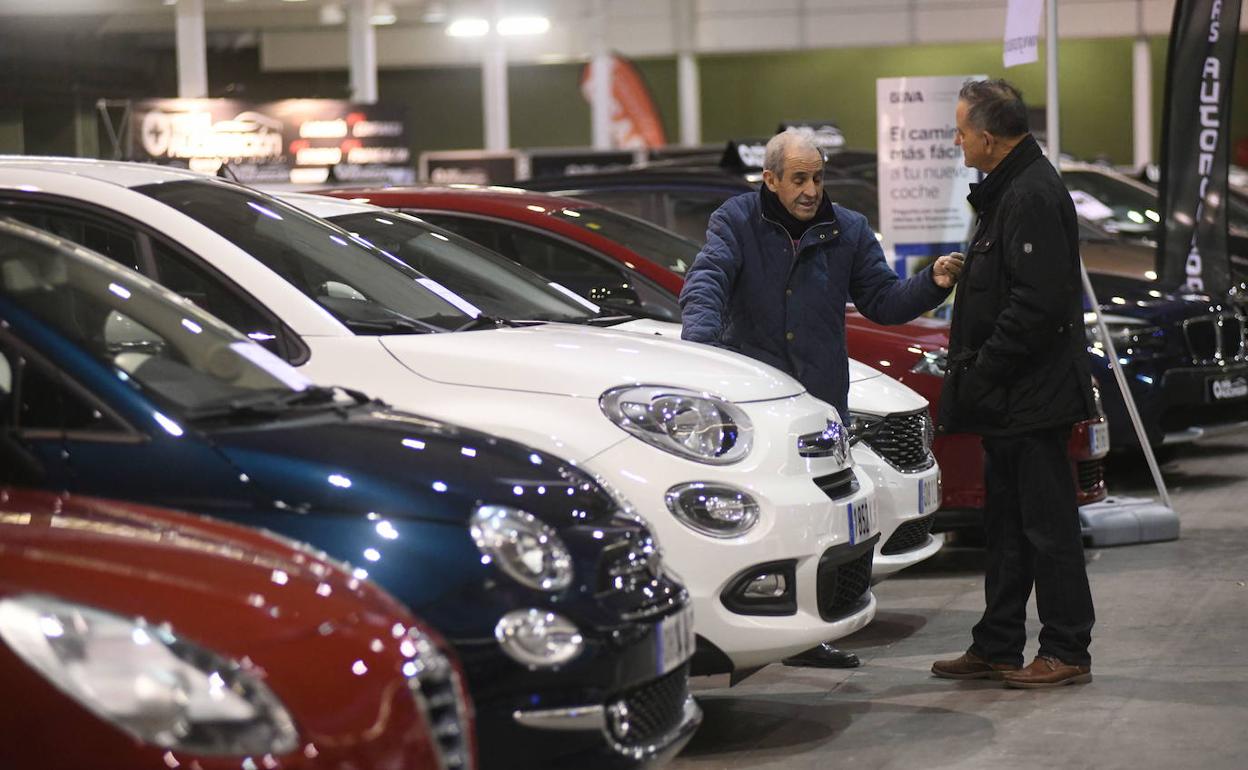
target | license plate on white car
[
  {"x": 861, "y": 520},
  {"x": 675, "y": 640},
  {"x": 1098, "y": 439},
  {"x": 929, "y": 495}
]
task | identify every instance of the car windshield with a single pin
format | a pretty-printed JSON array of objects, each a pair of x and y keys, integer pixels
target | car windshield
[
  {"x": 493, "y": 283},
  {"x": 662, "y": 247},
  {"x": 183, "y": 357},
  {"x": 1119, "y": 205},
  {"x": 367, "y": 289}
]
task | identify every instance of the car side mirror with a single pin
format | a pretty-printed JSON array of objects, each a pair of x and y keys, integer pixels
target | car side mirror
[{"x": 339, "y": 290}]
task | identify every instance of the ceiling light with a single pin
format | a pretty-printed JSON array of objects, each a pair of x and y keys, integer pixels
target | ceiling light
[
  {"x": 332, "y": 14},
  {"x": 523, "y": 25},
  {"x": 383, "y": 15},
  {"x": 468, "y": 28}
]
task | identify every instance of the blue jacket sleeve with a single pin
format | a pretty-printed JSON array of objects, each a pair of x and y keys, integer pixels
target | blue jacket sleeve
[
  {"x": 708, "y": 284},
  {"x": 880, "y": 295}
]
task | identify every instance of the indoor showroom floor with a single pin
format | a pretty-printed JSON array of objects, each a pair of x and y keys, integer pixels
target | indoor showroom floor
[{"x": 1169, "y": 650}]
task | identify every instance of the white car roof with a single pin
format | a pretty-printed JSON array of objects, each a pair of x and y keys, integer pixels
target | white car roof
[
  {"x": 323, "y": 206},
  {"x": 121, "y": 173}
]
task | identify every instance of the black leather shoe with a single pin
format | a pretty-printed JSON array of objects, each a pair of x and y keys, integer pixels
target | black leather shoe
[{"x": 824, "y": 656}]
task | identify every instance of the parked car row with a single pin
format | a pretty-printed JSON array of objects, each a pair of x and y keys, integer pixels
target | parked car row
[{"x": 174, "y": 340}]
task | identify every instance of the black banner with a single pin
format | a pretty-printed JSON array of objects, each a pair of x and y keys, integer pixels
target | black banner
[
  {"x": 1192, "y": 250},
  {"x": 293, "y": 140}
]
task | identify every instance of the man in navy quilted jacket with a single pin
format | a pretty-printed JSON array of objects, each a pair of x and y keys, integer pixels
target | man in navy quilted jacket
[
  {"x": 776, "y": 272},
  {"x": 779, "y": 266}
]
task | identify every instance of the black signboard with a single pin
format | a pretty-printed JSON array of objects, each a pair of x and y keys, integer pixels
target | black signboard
[
  {"x": 293, "y": 140},
  {"x": 470, "y": 167},
  {"x": 1196, "y": 122},
  {"x": 558, "y": 163}
]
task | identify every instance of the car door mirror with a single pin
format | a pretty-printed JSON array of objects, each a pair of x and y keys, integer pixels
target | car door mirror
[{"x": 339, "y": 290}]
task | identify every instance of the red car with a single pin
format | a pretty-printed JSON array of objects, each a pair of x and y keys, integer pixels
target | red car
[
  {"x": 136, "y": 638},
  {"x": 598, "y": 252}
]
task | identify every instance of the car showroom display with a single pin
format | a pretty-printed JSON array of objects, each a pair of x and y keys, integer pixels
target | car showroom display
[
  {"x": 747, "y": 479},
  {"x": 143, "y": 638},
  {"x": 574, "y": 639},
  {"x": 896, "y": 453}
]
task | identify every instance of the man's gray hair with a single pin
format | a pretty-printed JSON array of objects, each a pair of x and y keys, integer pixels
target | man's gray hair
[
  {"x": 995, "y": 106},
  {"x": 790, "y": 138}
]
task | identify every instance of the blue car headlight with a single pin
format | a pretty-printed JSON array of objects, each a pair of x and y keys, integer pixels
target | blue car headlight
[
  {"x": 147, "y": 681},
  {"x": 524, "y": 548},
  {"x": 1132, "y": 337}
]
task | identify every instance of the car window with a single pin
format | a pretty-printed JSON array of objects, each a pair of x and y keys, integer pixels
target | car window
[
  {"x": 1118, "y": 205},
  {"x": 663, "y": 247},
  {"x": 368, "y": 290},
  {"x": 163, "y": 343},
  {"x": 637, "y": 203},
  {"x": 688, "y": 213},
  {"x": 157, "y": 260},
  {"x": 497, "y": 285},
  {"x": 36, "y": 399}
]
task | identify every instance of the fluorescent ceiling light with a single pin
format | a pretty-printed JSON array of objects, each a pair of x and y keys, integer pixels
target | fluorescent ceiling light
[
  {"x": 332, "y": 14},
  {"x": 383, "y": 15},
  {"x": 523, "y": 25},
  {"x": 468, "y": 28}
]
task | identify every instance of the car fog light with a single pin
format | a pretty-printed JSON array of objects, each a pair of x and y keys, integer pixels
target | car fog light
[
  {"x": 768, "y": 586},
  {"x": 713, "y": 509},
  {"x": 538, "y": 639}
]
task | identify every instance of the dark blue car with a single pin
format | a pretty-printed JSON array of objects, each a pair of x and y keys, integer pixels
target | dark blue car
[{"x": 574, "y": 638}]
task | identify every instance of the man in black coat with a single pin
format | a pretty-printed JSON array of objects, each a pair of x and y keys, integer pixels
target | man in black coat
[{"x": 1018, "y": 376}]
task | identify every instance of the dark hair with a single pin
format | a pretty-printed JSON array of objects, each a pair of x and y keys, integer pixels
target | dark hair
[{"x": 995, "y": 106}]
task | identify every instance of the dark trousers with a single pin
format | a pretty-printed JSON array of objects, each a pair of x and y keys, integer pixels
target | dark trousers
[{"x": 1032, "y": 526}]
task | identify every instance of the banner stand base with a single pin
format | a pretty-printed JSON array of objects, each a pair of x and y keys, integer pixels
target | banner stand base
[{"x": 1128, "y": 520}]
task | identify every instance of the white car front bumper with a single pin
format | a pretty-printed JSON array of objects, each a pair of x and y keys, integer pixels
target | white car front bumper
[
  {"x": 907, "y": 501},
  {"x": 803, "y": 532}
]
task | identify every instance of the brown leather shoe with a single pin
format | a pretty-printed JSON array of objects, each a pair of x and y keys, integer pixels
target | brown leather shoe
[
  {"x": 971, "y": 666},
  {"x": 1048, "y": 672}
]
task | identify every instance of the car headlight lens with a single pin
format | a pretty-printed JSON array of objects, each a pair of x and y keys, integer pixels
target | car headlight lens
[
  {"x": 933, "y": 362},
  {"x": 523, "y": 547},
  {"x": 538, "y": 639},
  {"x": 862, "y": 425},
  {"x": 693, "y": 425},
  {"x": 713, "y": 509},
  {"x": 150, "y": 683},
  {"x": 1131, "y": 336}
]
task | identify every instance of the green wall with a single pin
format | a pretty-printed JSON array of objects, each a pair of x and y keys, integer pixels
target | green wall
[{"x": 1096, "y": 102}]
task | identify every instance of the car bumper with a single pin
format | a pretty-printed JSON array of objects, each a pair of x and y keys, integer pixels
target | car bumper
[
  {"x": 907, "y": 508},
  {"x": 1193, "y": 412},
  {"x": 798, "y": 526}
]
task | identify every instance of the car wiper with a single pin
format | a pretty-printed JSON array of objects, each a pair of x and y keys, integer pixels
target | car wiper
[
  {"x": 609, "y": 320},
  {"x": 392, "y": 326},
  {"x": 270, "y": 404},
  {"x": 488, "y": 322}
]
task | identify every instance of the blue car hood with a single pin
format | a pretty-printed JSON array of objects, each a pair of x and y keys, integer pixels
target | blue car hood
[
  {"x": 378, "y": 462},
  {"x": 1148, "y": 300}
]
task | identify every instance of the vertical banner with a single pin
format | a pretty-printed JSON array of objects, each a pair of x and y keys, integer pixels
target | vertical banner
[
  {"x": 1022, "y": 32},
  {"x": 635, "y": 122},
  {"x": 1195, "y": 146},
  {"x": 922, "y": 181}
]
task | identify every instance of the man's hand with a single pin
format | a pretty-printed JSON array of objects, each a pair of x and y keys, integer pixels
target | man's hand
[{"x": 947, "y": 269}]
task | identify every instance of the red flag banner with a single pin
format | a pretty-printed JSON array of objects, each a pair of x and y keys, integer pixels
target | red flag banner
[{"x": 635, "y": 121}]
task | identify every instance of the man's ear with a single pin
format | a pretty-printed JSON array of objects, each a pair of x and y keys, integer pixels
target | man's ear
[
  {"x": 770, "y": 180},
  {"x": 990, "y": 142}
]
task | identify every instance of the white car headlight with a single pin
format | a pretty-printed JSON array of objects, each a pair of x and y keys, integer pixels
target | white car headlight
[
  {"x": 523, "y": 547},
  {"x": 693, "y": 425},
  {"x": 148, "y": 682}
]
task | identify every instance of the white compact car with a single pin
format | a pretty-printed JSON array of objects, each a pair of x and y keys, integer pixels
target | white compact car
[
  {"x": 747, "y": 479},
  {"x": 890, "y": 419}
]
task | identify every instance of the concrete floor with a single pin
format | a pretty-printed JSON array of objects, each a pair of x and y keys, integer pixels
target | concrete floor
[{"x": 1169, "y": 648}]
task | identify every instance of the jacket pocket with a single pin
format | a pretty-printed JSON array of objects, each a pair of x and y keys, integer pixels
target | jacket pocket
[
  {"x": 980, "y": 402},
  {"x": 981, "y": 273}
]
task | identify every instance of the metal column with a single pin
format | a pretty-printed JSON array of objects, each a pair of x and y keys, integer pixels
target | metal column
[
  {"x": 689, "y": 87},
  {"x": 494, "y": 85},
  {"x": 362, "y": 51},
  {"x": 192, "y": 50},
  {"x": 600, "y": 83}
]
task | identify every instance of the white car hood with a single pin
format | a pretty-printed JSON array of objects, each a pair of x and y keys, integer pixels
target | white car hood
[
  {"x": 869, "y": 390},
  {"x": 577, "y": 361}
]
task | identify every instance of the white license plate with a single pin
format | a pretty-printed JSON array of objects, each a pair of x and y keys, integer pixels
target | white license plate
[
  {"x": 1098, "y": 439},
  {"x": 861, "y": 520},
  {"x": 929, "y": 495},
  {"x": 675, "y": 640}
]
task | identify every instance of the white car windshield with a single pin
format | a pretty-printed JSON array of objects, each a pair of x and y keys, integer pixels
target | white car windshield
[
  {"x": 498, "y": 286},
  {"x": 181, "y": 356},
  {"x": 369, "y": 290}
]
